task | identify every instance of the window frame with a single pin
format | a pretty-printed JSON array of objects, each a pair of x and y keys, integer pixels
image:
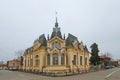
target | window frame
[
  {"x": 63, "y": 59},
  {"x": 55, "y": 59}
]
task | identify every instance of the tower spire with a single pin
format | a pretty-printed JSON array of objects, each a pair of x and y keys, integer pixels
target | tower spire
[
  {"x": 56, "y": 30},
  {"x": 56, "y": 23}
]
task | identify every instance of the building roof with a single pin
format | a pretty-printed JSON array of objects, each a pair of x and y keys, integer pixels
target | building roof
[
  {"x": 17, "y": 60},
  {"x": 43, "y": 40},
  {"x": 3, "y": 64},
  {"x": 28, "y": 50},
  {"x": 85, "y": 48},
  {"x": 56, "y": 31},
  {"x": 70, "y": 39},
  {"x": 104, "y": 56}
]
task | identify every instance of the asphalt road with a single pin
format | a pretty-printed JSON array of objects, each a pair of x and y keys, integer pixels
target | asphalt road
[{"x": 110, "y": 74}]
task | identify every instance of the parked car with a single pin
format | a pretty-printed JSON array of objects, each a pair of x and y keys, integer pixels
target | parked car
[{"x": 108, "y": 67}]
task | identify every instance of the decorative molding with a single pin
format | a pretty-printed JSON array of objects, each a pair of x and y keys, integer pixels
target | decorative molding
[{"x": 75, "y": 44}]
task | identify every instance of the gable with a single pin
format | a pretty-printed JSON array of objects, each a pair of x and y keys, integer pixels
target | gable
[{"x": 56, "y": 40}]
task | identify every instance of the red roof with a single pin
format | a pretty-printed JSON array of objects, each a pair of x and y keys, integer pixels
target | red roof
[{"x": 103, "y": 56}]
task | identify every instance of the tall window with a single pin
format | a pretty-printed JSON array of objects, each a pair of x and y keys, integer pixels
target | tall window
[
  {"x": 13, "y": 64},
  {"x": 85, "y": 61},
  {"x": 25, "y": 63},
  {"x": 74, "y": 60},
  {"x": 48, "y": 59},
  {"x": 80, "y": 60},
  {"x": 66, "y": 59},
  {"x": 55, "y": 59},
  {"x": 28, "y": 62},
  {"x": 62, "y": 59},
  {"x": 37, "y": 61},
  {"x": 31, "y": 62}
]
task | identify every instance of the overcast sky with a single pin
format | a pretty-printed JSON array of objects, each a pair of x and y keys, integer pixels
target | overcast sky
[{"x": 23, "y": 21}]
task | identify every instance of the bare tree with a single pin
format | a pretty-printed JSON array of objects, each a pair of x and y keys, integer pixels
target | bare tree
[
  {"x": 1, "y": 62},
  {"x": 109, "y": 55},
  {"x": 19, "y": 53}
]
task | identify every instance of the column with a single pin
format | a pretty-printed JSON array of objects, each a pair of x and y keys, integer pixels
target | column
[
  {"x": 65, "y": 58},
  {"x": 51, "y": 59},
  {"x": 78, "y": 59},
  {"x": 59, "y": 59}
]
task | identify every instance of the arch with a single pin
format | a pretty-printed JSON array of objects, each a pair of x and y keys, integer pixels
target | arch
[
  {"x": 37, "y": 56},
  {"x": 37, "y": 60},
  {"x": 55, "y": 59}
]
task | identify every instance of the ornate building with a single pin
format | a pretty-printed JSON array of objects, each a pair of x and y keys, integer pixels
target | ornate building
[{"x": 56, "y": 53}]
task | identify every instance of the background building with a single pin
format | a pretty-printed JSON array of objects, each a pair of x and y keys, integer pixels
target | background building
[
  {"x": 14, "y": 64},
  {"x": 56, "y": 53},
  {"x": 119, "y": 62},
  {"x": 3, "y": 66}
]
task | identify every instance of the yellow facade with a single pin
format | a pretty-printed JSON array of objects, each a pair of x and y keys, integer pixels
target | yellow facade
[
  {"x": 3, "y": 66},
  {"x": 14, "y": 64},
  {"x": 56, "y": 53}
]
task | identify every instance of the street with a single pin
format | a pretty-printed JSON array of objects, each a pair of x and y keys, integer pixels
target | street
[{"x": 110, "y": 74}]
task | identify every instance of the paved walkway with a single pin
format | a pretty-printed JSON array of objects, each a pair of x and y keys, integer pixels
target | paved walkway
[{"x": 100, "y": 75}]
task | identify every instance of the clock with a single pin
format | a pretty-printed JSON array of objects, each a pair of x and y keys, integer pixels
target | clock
[{"x": 56, "y": 45}]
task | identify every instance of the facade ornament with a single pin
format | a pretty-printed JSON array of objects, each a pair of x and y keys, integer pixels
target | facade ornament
[
  {"x": 62, "y": 50},
  {"x": 81, "y": 46},
  {"x": 48, "y": 50},
  {"x": 75, "y": 44}
]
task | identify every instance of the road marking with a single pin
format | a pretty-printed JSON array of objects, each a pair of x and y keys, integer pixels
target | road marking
[
  {"x": 33, "y": 79},
  {"x": 111, "y": 74}
]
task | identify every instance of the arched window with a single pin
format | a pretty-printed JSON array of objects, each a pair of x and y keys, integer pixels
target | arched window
[
  {"x": 55, "y": 59},
  {"x": 28, "y": 62},
  {"x": 25, "y": 63},
  {"x": 85, "y": 61},
  {"x": 74, "y": 60},
  {"x": 62, "y": 59},
  {"x": 36, "y": 56},
  {"x": 37, "y": 61},
  {"x": 80, "y": 60},
  {"x": 48, "y": 59},
  {"x": 31, "y": 62}
]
